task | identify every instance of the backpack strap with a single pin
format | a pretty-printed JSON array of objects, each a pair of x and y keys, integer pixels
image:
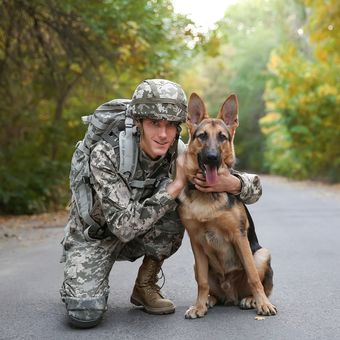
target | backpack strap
[
  {"x": 108, "y": 137},
  {"x": 83, "y": 202},
  {"x": 93, "y": 228},
  {"x": 80, "y": 145},
  {"x": 149, "y": 182},
  {"x": 128, "y": 149}
]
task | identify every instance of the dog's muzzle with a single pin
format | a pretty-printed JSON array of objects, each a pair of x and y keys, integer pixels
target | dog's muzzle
[
  {"x": 210, "y": 157},
  {"x": 209, "y": 161}
]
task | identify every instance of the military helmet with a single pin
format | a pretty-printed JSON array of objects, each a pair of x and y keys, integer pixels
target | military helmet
[{"x": 159, "y": 99}]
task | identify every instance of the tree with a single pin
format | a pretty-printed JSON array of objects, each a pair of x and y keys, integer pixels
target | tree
[
  {"x": 248, "y": 32},
  {"x": 302, "y": 126},
  {"x": 61, "y": 59}
]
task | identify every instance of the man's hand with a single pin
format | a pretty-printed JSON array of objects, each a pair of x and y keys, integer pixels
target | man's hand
[
  {"x": 175, "y": 187},
  {"x": 226, "y": 182}
]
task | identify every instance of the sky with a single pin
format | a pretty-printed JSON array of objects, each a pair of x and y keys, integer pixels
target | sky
[{"x": 203, "y": 12}]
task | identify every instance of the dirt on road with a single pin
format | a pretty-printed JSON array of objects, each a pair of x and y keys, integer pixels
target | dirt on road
[{"x": 29, "y": 227}]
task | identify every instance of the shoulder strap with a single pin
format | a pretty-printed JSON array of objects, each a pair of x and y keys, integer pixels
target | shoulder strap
[
  {"x": 149, "y": 182},
  {"x": 128, "y": 149}
]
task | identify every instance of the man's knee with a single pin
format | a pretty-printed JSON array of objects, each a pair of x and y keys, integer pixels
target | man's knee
[
  {"x": 85, "y": 312},
  {"x": 163, "y": 248}
]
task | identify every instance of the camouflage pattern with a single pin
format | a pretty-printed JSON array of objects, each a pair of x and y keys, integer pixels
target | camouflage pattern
[
  {"x": 159, "y": 99},
  {"x": 85, "y": 313},
  {"x": 91, "y": 303},
  {"x": 139, "y": 222},
  {"x": 251, "y": 188},
  {"x": 86, "y": 309}
]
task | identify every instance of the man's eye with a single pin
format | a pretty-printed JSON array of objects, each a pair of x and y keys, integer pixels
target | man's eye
[{"x": 170, "y": 124}]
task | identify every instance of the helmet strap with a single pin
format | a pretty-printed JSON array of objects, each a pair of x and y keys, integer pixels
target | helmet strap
[{"x": 139, "y": 130}]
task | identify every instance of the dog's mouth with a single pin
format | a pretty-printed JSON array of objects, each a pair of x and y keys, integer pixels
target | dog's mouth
[
  {"x": 209, "y": 169},
  {"x": 210, "y": 174}
]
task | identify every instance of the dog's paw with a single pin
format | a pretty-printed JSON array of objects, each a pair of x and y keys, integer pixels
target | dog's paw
[
  {"x": 196, "y": 312},
  {"x": 212, "y": 300},
  {"x": 265, "y": 308},
  {"x": 248, "y": 303}
]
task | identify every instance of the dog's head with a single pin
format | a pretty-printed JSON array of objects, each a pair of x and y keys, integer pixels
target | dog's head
[{"x": 211, "y": 139}]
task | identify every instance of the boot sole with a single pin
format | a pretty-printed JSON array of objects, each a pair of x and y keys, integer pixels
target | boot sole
[
  {"x": 152, "y": 310},
  {"x": 83, "y": 324}
]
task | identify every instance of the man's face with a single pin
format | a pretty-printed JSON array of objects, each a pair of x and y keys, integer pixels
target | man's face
[{"x": 157, "y": 137}]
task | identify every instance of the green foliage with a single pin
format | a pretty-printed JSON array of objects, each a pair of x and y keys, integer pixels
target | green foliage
[
  {"x": 58, "y": 61},
  {"x": 248, "y": 32},
  {"x": 302, "y": 100}
]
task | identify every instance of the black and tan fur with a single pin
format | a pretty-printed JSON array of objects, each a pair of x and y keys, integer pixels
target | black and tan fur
[{"x": 219, "y": 227}]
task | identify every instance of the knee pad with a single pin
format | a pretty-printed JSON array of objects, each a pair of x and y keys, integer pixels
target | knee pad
[{"x": 85, "y": 312}]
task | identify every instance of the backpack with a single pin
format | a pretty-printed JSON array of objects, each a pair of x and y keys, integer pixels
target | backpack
[
  {"x": 112, "y": 123},
  {"x": 109, "y": 122}
]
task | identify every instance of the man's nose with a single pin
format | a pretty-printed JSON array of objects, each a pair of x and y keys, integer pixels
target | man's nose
[{"x": 162, "y": 132}]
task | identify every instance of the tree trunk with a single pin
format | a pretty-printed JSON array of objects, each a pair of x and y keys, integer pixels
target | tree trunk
[{"x": 58, "y": 115}]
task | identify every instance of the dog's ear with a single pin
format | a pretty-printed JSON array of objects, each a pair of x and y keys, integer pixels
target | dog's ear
[
  {"x": 229, "y": 112},
  {"x": 196, "y": 110}
]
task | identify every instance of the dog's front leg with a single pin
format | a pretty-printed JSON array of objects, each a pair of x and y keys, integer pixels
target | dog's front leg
[
  {"x": 200, "y": 308},
  {"x": 263, "y": 305}
]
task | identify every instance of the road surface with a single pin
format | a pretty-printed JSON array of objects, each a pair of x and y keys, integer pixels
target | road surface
[{"x": 299, "y": 222}]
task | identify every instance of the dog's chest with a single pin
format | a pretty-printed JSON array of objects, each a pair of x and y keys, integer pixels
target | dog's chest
[
  {"x": 220, "y": 252},
  {"x": 201, "y": 207},
  {"x": 211, "y": 220}
]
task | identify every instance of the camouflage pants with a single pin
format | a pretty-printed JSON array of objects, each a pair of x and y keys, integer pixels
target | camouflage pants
[{"x": 88, "y": 263}]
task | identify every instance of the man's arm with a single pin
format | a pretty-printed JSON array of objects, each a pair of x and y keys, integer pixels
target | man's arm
[
  {"x": 125, "y": 218},
  {"x": 246, "y": 186},
  {"x": 251, "y": 188}
]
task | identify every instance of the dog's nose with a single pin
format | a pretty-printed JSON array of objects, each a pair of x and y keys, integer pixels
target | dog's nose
[
  {"x": 212, "y": 156},
  {"x": 209, "y": 157}
]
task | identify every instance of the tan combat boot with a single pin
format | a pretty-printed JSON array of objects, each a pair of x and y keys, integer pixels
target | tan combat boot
[{"x": 146, "y": 293}]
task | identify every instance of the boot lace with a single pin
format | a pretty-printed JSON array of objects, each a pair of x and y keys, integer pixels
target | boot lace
[
  {"x": 161, "y": 277},
  {"x": 153, "y": 286}
]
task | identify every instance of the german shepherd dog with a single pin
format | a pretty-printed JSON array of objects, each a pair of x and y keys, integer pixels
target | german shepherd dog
[{"x": 231, "y": 268}]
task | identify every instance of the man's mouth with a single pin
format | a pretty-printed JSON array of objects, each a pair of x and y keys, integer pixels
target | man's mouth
[{"x": 161, "y": 143}]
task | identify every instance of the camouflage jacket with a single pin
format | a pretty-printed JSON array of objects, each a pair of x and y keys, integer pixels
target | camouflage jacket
[{"x": 130, "y": 212}]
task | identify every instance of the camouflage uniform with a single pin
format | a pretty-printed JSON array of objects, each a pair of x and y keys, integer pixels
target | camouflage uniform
[{"x": 138, "y": 222}]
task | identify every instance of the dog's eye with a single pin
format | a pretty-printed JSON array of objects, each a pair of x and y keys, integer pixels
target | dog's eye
[
  {"x": 222, "y": 137},
  {"x": 202, "y": 136}
]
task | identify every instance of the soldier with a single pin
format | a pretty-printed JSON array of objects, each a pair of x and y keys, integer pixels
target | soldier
[{"x": 137, "y": 221}]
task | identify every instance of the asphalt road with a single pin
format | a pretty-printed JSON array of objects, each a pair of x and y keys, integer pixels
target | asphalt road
[{"x": 299, "y": 222}]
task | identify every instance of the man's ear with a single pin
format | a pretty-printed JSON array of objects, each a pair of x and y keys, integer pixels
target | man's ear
[
  {"x": 229, "y": 113},
  {"x": 196, "y": 111}
]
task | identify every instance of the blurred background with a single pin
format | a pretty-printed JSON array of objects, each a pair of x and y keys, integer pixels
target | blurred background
[{"x": 60, "y": 59}]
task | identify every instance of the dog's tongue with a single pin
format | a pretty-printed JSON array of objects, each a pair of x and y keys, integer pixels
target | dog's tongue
[{"x": 210, "y": 174}]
